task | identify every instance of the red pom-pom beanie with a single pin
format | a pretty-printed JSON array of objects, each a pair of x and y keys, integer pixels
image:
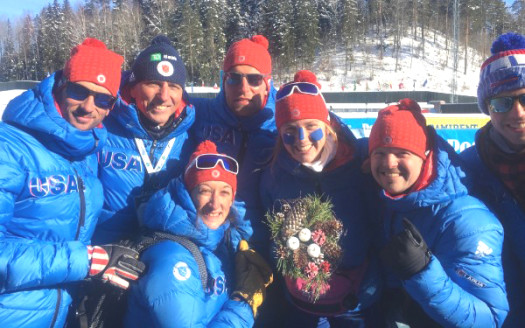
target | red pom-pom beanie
[
  {"x": 91, "y": 61},
  {"x": 400, "y": 126},
  {"x": 252, "y": 52},
  {"x": 298, "y": 105},
  {"x": 194, "y": 176}
]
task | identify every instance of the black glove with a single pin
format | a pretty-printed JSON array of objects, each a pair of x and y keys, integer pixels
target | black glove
[
  {"x": 407, "y": 253},
  {"x": 116, "y": 264}
]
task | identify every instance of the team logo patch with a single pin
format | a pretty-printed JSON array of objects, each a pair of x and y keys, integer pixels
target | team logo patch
[
  {"x": 181, "y": 271},
  {"x": 215, "y": 174},
  {"x": 101, "y": 78},
  {"x": 473, "y": 280},
  {"x": 155, "y": 57},
  {"x": 165, "y": 68},
  {"x": 388, "y": 139},
  {"x": 296, "y": 112},
  {"x": 241, "y": 58},
  {"x": 483, "y": 249}
]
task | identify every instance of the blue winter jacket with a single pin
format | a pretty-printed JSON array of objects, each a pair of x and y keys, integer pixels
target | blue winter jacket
[
  {"x": 347, "y": 188},
  {"x": 463, "y": 284},
  {"x": 483, "y": 184},
  {"x": 50, "y": 199},
  {"x": 123, "y": 173},
  {"x": 170, "y": 294},
  {"x": 250, "y": 140}
]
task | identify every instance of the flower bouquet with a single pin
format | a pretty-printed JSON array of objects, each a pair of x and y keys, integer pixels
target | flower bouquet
[{"x": 306, "y": 234}]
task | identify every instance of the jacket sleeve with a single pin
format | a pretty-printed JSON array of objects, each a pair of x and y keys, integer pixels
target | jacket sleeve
[
  {"x": 463, "y": 284},
  {"x": 234, "y": 314},
  {"x": 28, "y": 262}
]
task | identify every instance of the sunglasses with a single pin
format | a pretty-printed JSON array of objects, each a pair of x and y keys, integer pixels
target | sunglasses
[
  {"x": 504, "y": 104},
  {"x": 80, "y": 93},
  {"x": 253, "y": 79},
  {"x": 210, "y": 161},
  {"x": 303, "y": 87}
]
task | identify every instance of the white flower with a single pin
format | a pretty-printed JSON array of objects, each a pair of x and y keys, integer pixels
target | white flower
[
  {"x": 314, "y": 250},
  {"x": 293, "y": 243},
  {"x": 305, "y": 234}
]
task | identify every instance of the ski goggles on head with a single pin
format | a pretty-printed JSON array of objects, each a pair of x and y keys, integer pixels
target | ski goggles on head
[
  {"x": 210, "y": 161},
  {"x": 80, "y": 93},
  {"x": 504, "y": 104},
  {"x": 253, "y": 79},
  {"x": 302, "y": 87}
]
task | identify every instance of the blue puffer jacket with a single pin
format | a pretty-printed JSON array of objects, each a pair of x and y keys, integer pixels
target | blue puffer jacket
[
  {"x": 250, "y": 140},
  {"x": 50, "y": 199},
  {"x": 170, "y": 294},
  {"x": 483, "y": 184},
  {"x": 463, "y": 284},
  {"x": 123, "y": 173},
  {"x": 347, "y": 188}
]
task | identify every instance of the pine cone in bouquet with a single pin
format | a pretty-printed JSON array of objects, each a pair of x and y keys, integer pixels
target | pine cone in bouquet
[{"x": 307, "y": 234}]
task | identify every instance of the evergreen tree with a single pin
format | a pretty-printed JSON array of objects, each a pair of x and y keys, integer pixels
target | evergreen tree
[
  {"x": 234, "y": 25},
  {"x": 8, "y": 60},
  {"x": 190, "y": 39},
  {"x": 212, "y": 14},
  {"x": 305, "y": 26},
  {"x": 348, "y": 28}
]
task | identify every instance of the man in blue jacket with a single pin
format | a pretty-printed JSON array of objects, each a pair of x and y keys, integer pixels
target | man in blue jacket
[
  {"x": 240, "y": 121},
  {"x": 50, "y": 197},
  {"x": 496, "y": 164},
  {"x": 440, "y": 244},
  {"x": 147, "y": 138}
]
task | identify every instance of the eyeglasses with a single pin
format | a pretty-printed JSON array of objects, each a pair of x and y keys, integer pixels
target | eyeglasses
[
  {"x": 303, "y": 87},
  {"x": 253, "y": 79},
  {"x": 78, "y": 92},
  {"x": 504, "y": 104},
  {"x": 210, "y": 161}
]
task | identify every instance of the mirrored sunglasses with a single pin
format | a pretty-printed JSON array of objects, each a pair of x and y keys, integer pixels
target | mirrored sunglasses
[
  {"x": 210, "y": 161},
  {"x": 504, "y": 104},
  {"x": 80, "y": 93},
  {"x": 302, "y": 87},
  {"x": 253, "y": 79}
]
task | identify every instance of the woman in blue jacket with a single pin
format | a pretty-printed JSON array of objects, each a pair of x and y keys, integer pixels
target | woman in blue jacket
[
  {"x": 199, "y": 208},
  {"x": 317, "y": 154},
  {"x": 442, "y": 245}
]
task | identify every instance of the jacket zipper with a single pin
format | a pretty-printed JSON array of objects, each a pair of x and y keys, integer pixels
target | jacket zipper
[
  {"x": 242, "y": 151},
  {"x": 57, "y": 307},
  {"x": 82, "y": 215}
]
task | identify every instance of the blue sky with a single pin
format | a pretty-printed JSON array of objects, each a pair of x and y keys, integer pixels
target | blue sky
[{"x": 16, "y": 8}]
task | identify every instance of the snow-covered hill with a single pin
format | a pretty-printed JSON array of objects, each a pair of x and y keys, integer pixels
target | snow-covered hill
[{"x": 431, "y": 70}]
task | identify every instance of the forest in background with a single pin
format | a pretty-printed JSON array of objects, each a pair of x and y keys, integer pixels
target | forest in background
[{"x": 299, "y": 31}]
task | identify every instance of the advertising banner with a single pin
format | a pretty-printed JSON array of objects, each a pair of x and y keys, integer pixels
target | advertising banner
[{"x": 458, "y": 129}]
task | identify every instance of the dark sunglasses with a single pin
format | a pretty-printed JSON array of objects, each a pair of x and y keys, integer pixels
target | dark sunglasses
[
  {"x": 303, "y": 87},
  {"x": 80, "y": 93},
  {"x": 504, "y": 104},
  {"x": 253, "y": 79},
  {"x": 210, "y": 161}
]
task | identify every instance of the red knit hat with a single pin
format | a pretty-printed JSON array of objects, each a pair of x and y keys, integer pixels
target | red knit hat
[
  {"x": 400, "y": 126},
  {"x": 298, "y": 105},
  {"x": 252, "y": 52},
  {"x": 194, "y": 176},
  {"x": 91, "y": 61}
]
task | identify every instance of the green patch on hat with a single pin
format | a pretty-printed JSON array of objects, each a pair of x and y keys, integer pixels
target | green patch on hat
[{"x": 156, "y": 57}]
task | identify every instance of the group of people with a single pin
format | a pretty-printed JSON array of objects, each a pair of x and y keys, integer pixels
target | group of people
[{"x": 94, "y": 157}]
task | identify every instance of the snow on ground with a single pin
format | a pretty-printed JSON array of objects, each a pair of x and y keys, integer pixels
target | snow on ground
[{"x": 5, "y": 98}]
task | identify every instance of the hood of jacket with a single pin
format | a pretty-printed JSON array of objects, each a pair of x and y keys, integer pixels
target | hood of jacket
[
  {"x": 35, "y": 112},
  {"x": 262, "y": 120},
  {"x": 446, "y": 185},
  {"x": 127, "y": 113},
  {"x": 178, "y": 216}
]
